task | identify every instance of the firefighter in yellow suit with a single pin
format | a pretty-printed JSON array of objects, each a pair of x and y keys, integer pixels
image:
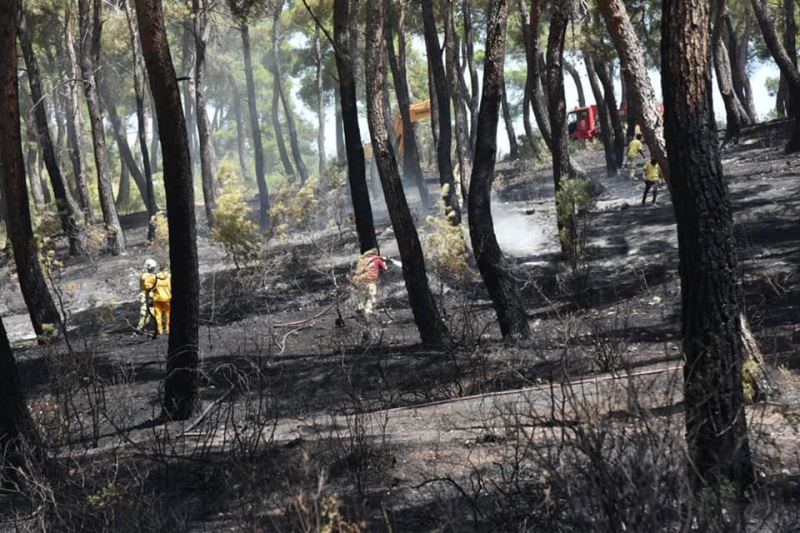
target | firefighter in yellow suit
[
  {"x": 162, "y": 300},
  {"x": 635, "y": 153},
  {"x": 147, "y": 282}
]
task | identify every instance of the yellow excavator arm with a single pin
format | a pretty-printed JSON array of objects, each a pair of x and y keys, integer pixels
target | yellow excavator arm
[{"x": 419, "y": 112}]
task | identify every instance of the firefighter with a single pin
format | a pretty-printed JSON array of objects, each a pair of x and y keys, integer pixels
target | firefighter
[
  {"x": 162, "y": 300},
  {"x": 147, "y": 282},
  {"x": 635, "y": 152},
  {"x": 652, "y": 178},
  {"x": 369, "y": 268}
]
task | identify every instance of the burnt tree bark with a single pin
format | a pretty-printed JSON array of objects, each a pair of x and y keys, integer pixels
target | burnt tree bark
[
  {"x": 356, "y": 167},
  {"x": 180, "y": 387},
  {"x": 604, "y": 75},
  {"x": 443, "y": 158},
  {"x": 716, "y": 427},
  {"x": 90, "y": 60},
  {"x": 32, "y": 283},
  {"x": 738, "y": 50},
  {"x": 530, "y": 136},
  {"x": 75, "y": 136},
  {"x": 124, "y": 188},
  {"x": 606, "y": 132},
  {"x": 469, "y": 53},
  {"x": 576, "y": 79},
  {"x": 341, "y": 156},
  {"x": 201, "y": 30},
  {"x": 426, "y": 316},
  {"x": 786, "y": 65},
  {"x": 258, "y": 147},
  {"x": 275, "y": 114},
  {"x": 513, "y": 147},
  {"x": 735, "y": 114},
  {"x": 138, "y": 93},
  {"x": 634, "y": 73},
  {"x": 68, "y": 211},
  {"x": 397, "y": 62},
  {"x": 499, "y": 282},
  {"x": 463, "y": 146},
  {"x": 790, "y": 42},
  {"x": 530, "y": 32},
  {"x": 318, "y": 60}
]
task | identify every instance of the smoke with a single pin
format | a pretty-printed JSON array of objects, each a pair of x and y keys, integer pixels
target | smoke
[{"x": 518, "y": 234}]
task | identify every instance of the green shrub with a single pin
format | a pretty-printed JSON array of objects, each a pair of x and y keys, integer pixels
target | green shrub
[
  {"x": 234, "y": 227},
  {"x": 573, "y": 201}
]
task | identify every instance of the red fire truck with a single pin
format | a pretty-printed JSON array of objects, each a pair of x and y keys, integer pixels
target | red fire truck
[{"x": 583, "y": 123}]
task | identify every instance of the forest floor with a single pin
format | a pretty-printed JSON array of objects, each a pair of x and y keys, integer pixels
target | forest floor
[{"x": 295, "y": 408}]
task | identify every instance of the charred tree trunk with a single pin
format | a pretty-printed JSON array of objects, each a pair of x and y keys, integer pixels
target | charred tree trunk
[
  {"x": 294, "y": 141},
  {"x": 18, "y": 434},
  {"x": 201, "y": 29},
  {"x": 90, "y": 60},
  {"x": 716, "y": 426},
  {"x": 606, "y": 135},
  {"x": 155, "y": 141},
  {"x": 463, "y": 146},
  {"x": 356, "y": 168},
  {"x": 75, "y": 136},
  {"x": 790, "y": 42},
  {"x": 443, "y": 159},
  {"x": 68, "y": 211},
  {"x": 526, "y": 121},
  {"x": 530, "y": 27},
  {"x": 320, "y": 104},
  {"x": 341, "y": 155},
  {"x": 469, "y": 49},
  {"x": 738, "y": 49},
  {"x": 604, "y": 75},
  {"x": 786, "y": 65},
  {"x": 258, "y": 147},
  {"x": 411, "y": 156},
  {"x": 31, "y": 171},
  {"x": 187, "y": 71},
  {"x": 125, "y": 152},
  {"x": 40, "y": 305},
  {"x": 634, "y": 73},
  {"x": 499, "y": 282},
  {"x": 576, "y": 78},
  {"x": 434, "y": 107},
  {"x": 124, "y": 189},
  {"x": 241, "y": 143},
  {"x": 736, "y": 116},
  {"x": 276, "y": 125},
  {"x": 180, "y": 387},
  {"x": 429, "y": 324},
  {"x": 139, "y": 92},
  {"x": 513, "y": 147}
]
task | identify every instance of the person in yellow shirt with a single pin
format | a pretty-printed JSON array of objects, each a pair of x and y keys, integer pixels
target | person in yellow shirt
[
  {"x": 635, "y": 152},
  {"x": 147, "y": 282},
  {"x": 652, "y": 178},
  {"x": 162, "y": 300}
]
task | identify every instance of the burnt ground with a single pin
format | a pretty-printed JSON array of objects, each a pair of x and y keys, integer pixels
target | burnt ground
[{"x": 294, "y": 408}]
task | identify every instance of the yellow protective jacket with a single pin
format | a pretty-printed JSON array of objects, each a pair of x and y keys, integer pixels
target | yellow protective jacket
[
  {"x": 147, "y": 282},
  {"x": 163, "y": 289},
  {"x": 635, "y": 148},
  {"x": 652, "y": 172}
]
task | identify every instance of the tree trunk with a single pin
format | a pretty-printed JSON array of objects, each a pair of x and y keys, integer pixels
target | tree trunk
[
  {"x": 276, "y": 126},
  {"x": 786, "y": 65},
  {"x": 294, "y": 141},
  {"x": 139, "y": 92},
  {"x": 604, "y": 75},
  {"x": 124, "y": 189},
  {"x": 530, "y": 31},
  {"x": 434, "y": 108},
  {"x": 90, "y": 61},
  {"x": 68, "y": 210},
  {"x": 180, "y": 387},
  {"x": 738, "y": 50},
  {"x": 576, "y": 78},
  {"x": 499, "y": 281},
  {"x": 258, "y": 148},
  {"x": 126, "y": 154},
  {"x": 356, "y": 168},
  {"x": 513, "y": 147},
  {"x": 241, "y": 143},
  {"x": 429, "y": 324},
  {"x": 75, "y": 136},
  {"x": 469, "y": 48},
  {"x": 790, "y": 42},
  {"x": 187, "y": 71},
  {"x": 320, "y": 104},
  {"x": 716, "y": 426},
  {"x": 341, "y": 155},
  {"x": 606, "y": 135},
  {"x": 443, "y": 159},
  {"x": 526, "y": 121},
  {"x": 463, "y": 146},
  {"x": 201, "y": 29},
  {"x": 735, "y": 113},
  {"x": 411, "y": 157},
  {"x": 155, "y": 141},
  {"x": 557, "y": 107},
  {"x": 30, "y": 161},
  {"x": 18, "y": 434},
  {"x": 634, "y": 72},
  {"x": 40, "y": 305}
]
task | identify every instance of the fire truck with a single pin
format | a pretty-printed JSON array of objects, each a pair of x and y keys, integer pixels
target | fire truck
[{"x": 583, "y": 123}]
